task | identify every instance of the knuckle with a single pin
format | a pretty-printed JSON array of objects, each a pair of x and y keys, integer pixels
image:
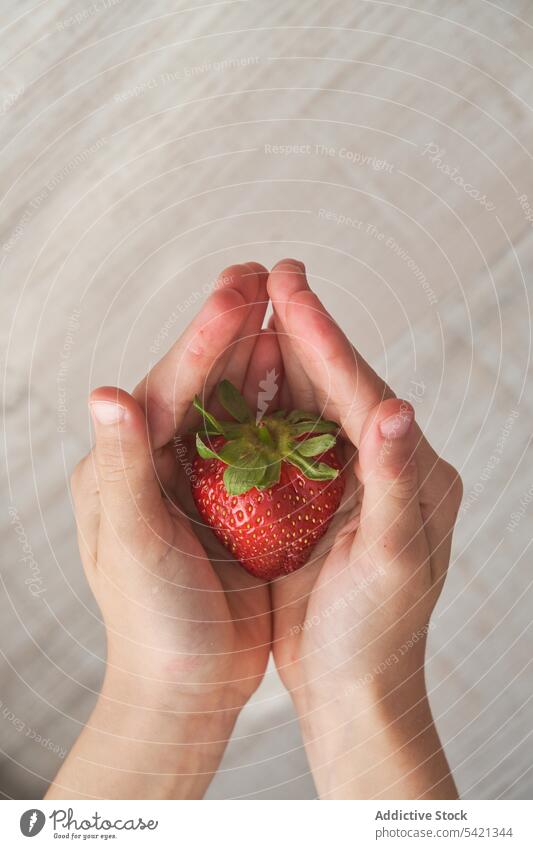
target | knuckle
[
  {"x": 403, "y": 482},
  {"x": 113, "y": 467},
  {"x": 110, "y": 475},
  {"x": 452, "y": 485}
]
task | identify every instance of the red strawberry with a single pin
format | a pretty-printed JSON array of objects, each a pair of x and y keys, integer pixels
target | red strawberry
[{"x": 257, "y": 487}]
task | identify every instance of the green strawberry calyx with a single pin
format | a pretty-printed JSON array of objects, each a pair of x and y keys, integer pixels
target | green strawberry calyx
[{"x": 254, "y": 450}]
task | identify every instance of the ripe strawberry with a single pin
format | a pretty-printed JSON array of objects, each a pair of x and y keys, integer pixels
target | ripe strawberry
[{"x": 257, "y": 487}]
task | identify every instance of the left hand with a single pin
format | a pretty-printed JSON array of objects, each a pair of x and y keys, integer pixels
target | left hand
[
  {"x": 188, "y": 630},
  {"x": 177, "y": 610}
]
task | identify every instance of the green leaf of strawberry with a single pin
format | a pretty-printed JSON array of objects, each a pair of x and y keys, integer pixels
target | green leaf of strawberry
[
  {"x": 313, "y": 471},
  {"x": 233, "y": 402},
  {"x": 241, "y": 454},
  {"x": 271, "y": 476},
  {"x": 298, "y": 416},
  {"x": 239, "y": 480},
  {"x": 320, "y": 426},
  {"x": 316, "y": 445},
  {"x": 205, "y": 452},
  {"x": 209, "y": 420}
]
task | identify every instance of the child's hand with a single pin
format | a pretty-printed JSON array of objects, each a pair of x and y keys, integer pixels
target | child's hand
[
  {"x": 172, "y": 616},
  {"x": 350, "y": 627},
  {"x": 188, "y": 630}
]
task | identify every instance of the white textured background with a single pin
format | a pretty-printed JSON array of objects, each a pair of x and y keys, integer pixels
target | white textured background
[{"x": 133, "y": 167}]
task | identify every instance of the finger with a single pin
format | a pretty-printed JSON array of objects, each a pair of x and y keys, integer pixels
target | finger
[
  {"x": 345, "y": 386},
  {"x": 391, "y": 525},
  {"x": 242, "y": 350},
  {"x": 264, "y": 375},
  {"x": 167, "y": 390},
  {"x": 130, "y": 497},
  {"x": 284, "y": 401},
  {"x": 285, "y": 280}
]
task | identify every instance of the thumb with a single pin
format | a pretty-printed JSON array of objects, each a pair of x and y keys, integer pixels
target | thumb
[
  {"x": 391, "y": 521},
  {"x": 127, "y": 481}
]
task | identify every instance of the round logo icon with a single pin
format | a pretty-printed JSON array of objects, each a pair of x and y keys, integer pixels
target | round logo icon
[{"x": 32, "y": 822}]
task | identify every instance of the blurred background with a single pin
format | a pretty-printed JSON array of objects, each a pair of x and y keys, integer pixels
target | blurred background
[{"x": 145, "y": 146}]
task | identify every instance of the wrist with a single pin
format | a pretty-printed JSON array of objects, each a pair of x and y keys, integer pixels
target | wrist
[
  {"x": 137, "y": 745},
  {"x": 153, "y": 693},
  {"x": 158, "y": 711},
  {"x": 371, "y": 743}
]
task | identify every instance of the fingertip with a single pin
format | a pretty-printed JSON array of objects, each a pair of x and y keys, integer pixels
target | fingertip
[
  {"x": 107, "y": 412},
  {"x": 289, "y": 260},
  {"x": 386, "y": 446},
  {"x": 108, "y": 394},
  {"x": 390, "y": 419},
  {"x": 286, "y": 279},
  {"x": 261, "y": 272},
  {"x": 228, "y": 304},
  {"x": 227, "y": 298},
  {"x": 258, "y": 268},
  {"x": 243, "y": 278},
  {"x": 110, "y": 405},
  {"x": 396, "y": 420}
]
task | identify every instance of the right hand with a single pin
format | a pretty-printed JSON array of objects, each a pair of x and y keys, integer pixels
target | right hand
[
  {"x": 386, "y": 552},
  {"x": 350, "y": 626}
]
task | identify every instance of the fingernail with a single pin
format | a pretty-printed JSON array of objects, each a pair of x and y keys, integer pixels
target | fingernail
[
  {"x": 397, "y": 425},
  {"x": 107, "y": 412}
]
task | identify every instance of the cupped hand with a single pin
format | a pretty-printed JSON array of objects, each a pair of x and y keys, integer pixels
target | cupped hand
[
  {"x": 181, "y": 618},
  {"x": 350, "y": 626}
]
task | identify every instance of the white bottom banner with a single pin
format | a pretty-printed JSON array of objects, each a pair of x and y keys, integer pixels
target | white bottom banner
[{"x": 265, "y": 824}]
